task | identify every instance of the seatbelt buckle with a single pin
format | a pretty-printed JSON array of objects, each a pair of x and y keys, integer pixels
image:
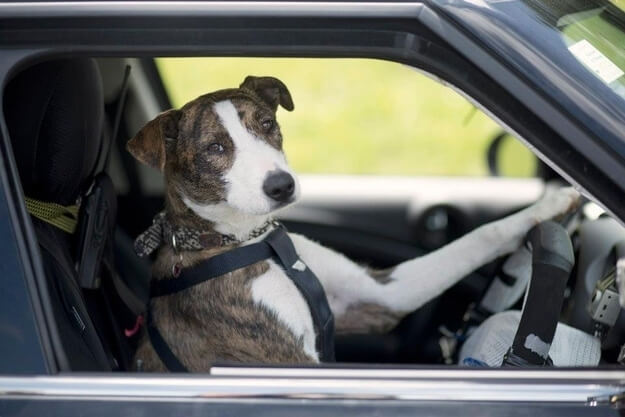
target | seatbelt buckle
[
  {"x": 604, "y": 306},
  {"x": 448, "y": 344},
  {"x": 94, "y": 227}
]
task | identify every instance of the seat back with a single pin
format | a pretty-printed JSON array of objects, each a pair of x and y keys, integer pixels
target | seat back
[{"x": 55, "y": 115}]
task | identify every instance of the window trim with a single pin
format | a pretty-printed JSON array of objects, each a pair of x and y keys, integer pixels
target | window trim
[{"x": 391, "y": 31}]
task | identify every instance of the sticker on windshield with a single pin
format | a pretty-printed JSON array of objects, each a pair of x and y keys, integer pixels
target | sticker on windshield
[{"x": 595, "y": 61}]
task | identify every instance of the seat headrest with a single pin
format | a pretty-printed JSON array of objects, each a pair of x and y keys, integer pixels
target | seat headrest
[{"x": 55, "y": 115}]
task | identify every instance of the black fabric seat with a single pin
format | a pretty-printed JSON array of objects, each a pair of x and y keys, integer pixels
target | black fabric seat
[{"x": 55, "y": 115}]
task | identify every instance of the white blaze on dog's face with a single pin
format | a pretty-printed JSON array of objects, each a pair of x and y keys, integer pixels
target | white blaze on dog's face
[
  {"x": 259, "y": 180},
  {"x": 222, "y": 154}
]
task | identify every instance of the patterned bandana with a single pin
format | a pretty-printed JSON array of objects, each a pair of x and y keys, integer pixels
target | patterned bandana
[{"x": 186, "y": 238}]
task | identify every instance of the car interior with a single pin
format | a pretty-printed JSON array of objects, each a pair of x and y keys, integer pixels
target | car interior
[{"x": 69, "y": 120}]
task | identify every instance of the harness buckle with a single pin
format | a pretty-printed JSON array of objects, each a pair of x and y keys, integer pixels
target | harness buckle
[{"x": 173, "y": 242}]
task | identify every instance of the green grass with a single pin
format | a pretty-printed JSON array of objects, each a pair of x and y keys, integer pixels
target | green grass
[{"x": 357, "y": 116}]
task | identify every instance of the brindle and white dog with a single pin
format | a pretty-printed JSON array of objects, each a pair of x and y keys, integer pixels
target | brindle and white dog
[{"x": 225, "y": 171}]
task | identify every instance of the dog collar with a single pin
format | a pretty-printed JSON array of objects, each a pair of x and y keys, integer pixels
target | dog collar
[{"x": 184, "y": 238}]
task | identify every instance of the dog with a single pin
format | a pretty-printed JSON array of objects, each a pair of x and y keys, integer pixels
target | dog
[{"x": 226, "y": 173}]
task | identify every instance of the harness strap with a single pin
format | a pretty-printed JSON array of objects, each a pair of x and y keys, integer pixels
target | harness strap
[
  {"x": 211, "y": 268},
  {"x": 310, "y": 287},
  {"x": 162, "y": 349},
  {"x": 276, "y": 245}
]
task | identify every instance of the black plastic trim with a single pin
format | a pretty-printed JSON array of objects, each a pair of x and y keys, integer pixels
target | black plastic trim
[
  {"x": 150, "y": 70},
  {"x": 28, "y": 251}
]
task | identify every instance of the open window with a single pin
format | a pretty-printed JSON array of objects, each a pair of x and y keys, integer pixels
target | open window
[
  {"x": 401, "y": 143},
  {"x": 389, "y": 172}
]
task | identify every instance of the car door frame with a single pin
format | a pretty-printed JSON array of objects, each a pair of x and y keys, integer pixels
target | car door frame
[{"x": 403, "y": 32}]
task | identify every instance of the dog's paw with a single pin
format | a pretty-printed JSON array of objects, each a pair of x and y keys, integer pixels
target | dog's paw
[{"x": 555, "y": 203}]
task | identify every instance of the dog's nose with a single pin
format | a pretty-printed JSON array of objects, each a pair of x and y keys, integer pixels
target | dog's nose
[{"x": 279, "y": 186}]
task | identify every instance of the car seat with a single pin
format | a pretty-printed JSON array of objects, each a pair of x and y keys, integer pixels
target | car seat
[{"x": 56, "y": 120}]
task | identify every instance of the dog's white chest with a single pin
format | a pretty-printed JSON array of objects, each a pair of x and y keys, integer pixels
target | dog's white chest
[{"x": 276, "y": 291}]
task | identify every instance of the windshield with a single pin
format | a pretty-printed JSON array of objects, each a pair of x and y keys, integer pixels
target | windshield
[
  {"x": 596, "y": 38},
  {"x": 572, "y": 52}
]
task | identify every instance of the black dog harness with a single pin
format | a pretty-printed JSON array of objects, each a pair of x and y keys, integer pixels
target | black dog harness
[{"x": 277, "y": 246}]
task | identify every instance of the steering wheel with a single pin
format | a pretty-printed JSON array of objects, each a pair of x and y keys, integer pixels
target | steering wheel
[
  {"x": 508, "y": 281},
  {"x": 552, "y": 262}
]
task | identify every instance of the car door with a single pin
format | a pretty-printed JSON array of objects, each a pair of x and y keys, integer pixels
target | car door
[{"x": 389, "y": 31}]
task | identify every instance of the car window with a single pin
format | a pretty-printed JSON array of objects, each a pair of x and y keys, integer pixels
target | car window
[
  {"x": 356, "y": 116},
  {"x": 596, "y": 38}
]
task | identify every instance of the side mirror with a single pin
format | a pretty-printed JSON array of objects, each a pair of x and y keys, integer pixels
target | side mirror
[{"x": 508, "y": 157}]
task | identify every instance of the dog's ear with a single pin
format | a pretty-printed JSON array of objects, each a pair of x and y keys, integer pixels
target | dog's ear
[
  {"x": 148, "y": 146},
  {"x": 269, "y": 89}
]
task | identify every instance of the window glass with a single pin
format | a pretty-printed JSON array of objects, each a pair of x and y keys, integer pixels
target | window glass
[
  {"x": 596, "y": 38},
  {"x": 356, "y": 116}
]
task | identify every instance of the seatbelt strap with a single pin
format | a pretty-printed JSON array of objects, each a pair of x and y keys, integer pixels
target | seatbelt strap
[
  {"x": 119, "y": 111},
  {"x": 510, "y": 284},
  {"x": 278, "y": 246},
  {"x": 132, "y": 301}
]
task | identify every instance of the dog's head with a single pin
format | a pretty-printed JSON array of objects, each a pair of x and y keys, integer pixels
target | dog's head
[{"x": 222, "y": 152}]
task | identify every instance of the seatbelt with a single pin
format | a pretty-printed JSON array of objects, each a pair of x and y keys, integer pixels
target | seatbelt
[
  {"x": 510, "y": 283},
  {"x": 277, "y": 246},
  {"x": 136, "y": 304},
  {"x": 120, "y": 103}
]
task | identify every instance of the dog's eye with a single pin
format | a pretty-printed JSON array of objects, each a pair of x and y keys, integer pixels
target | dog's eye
[
  {"x": 267, "y": 124},
  {"x": 215, "y": 148}
]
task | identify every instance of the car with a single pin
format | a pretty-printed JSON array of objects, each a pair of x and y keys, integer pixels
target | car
[{"x": 549, "y": 73}]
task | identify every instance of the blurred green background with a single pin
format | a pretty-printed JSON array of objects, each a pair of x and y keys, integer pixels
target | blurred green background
[{"x": 356, "y": 116}]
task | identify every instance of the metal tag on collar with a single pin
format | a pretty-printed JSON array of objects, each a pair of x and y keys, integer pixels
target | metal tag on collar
[
  {"x": 173, "y": 242},
  {"x": 176, "y": 268}
]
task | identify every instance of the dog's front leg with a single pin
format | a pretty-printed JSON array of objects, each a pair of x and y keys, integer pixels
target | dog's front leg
[{"x": 365, "y": 301}]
